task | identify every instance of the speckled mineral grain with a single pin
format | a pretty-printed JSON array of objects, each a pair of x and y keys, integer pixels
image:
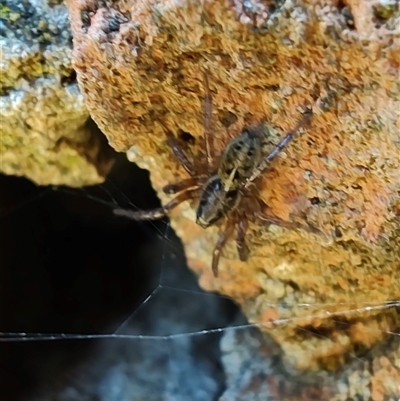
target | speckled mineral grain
[
  {"x": 43, "y": 115},
  {"x": 324, "y": 299}
]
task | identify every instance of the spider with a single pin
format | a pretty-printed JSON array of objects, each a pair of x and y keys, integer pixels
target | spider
[{"x": 225, "y": 190}]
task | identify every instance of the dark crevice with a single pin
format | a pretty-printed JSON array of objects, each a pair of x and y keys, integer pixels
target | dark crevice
[
  {"x": 345, "y": 11},
  {"x": 186, "y": 137},
  {"x": 86, "y": 19},
  {"x": 95, "y": 149},
  {"x": 315, "y": 200},
  {"x": 69, "y": 79},
  {"x": 68, "y": 265},
  {"x": 228, "y": 118}
]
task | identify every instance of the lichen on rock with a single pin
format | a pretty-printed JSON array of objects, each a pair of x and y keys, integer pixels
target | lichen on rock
[
  {"x": 45, "y": 135},
  {"x": 140, "y": 67}
]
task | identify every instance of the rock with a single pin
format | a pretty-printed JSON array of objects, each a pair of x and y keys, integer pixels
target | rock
[
  {"x": 254, "y": 372},
  {"x": 45, "y": 135},
  {"x": 140, "y": 66}
]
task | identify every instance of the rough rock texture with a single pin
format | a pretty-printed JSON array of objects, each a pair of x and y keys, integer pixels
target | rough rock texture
[
  {"x": 255, "y": 373},
  {"x": 44, "y": 132},
  {"x": 140, "y": 64}
]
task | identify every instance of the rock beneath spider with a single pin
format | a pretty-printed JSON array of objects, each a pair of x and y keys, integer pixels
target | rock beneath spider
[
  {"x": 318, "y": 301},
  {"x": 223, "y": 185}
]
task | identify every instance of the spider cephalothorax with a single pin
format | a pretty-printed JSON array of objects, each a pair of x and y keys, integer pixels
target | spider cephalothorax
[{"x": 223, "y": 190}]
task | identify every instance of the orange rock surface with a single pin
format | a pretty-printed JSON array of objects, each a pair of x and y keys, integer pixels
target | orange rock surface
[{"x": 140, "y": 66}]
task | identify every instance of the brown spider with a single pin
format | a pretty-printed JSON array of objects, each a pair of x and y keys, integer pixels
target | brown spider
[{"x": 225, "y": 190}]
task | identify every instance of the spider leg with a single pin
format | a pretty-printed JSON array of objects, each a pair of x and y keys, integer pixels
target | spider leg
[
  {"x": 208, "y": 138},
  {"x": 160, "y": 212},
  {"x": 222, "y": 240},
  {"x": 291, "y": 225},
  {"x": 242, "y": 248},
  {"x": 190, "y": 183},
  {"x": 277, "y": 149},
  {"x": 179, "y": 153}
]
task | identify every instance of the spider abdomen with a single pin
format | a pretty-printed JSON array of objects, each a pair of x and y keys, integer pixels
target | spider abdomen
[{"x": 240, "y": 158}]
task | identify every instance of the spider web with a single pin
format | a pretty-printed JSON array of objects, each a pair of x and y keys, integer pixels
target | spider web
[{"x": 144, "y": 330}]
